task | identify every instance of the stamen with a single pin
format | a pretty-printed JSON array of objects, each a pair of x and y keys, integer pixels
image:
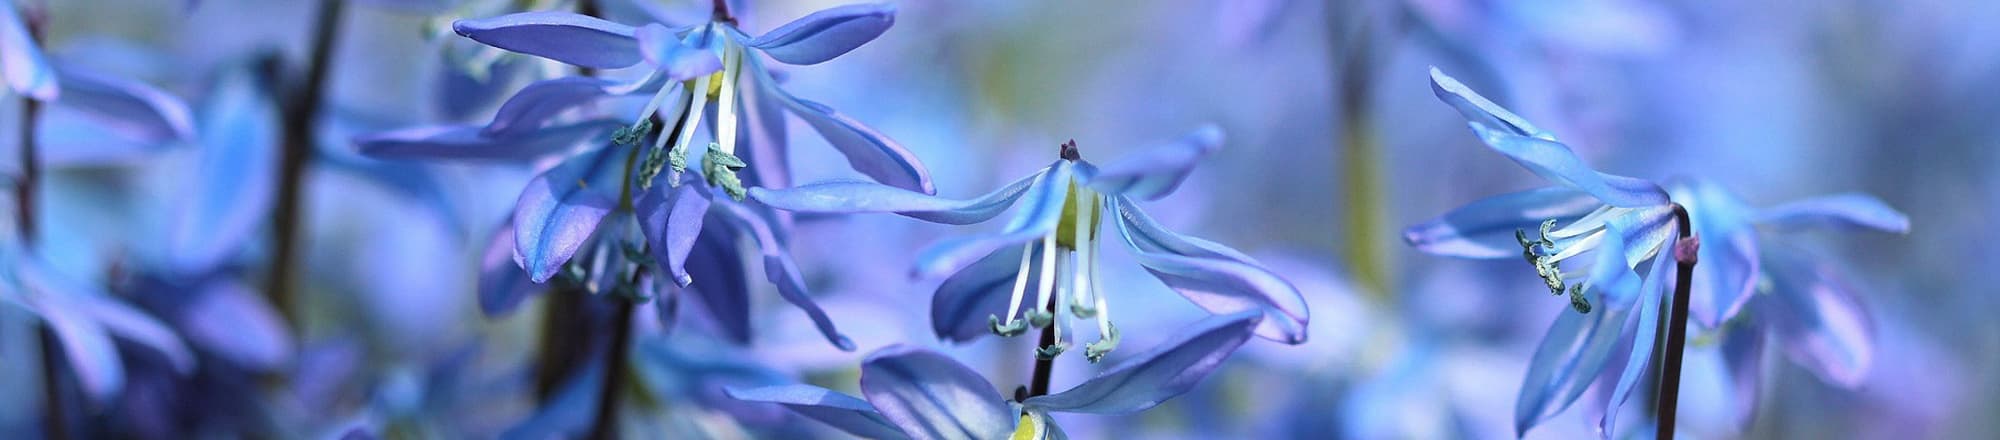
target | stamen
[
  {"x": 697, "y": 102},
  {"x": 1577, "y": 300},
  {"x": 1080, "y": 303},
  {"x": 1015, "y": 326},
  {"x": 1040, "y": 317},
  {"x": 725, "y": 100},
  {"x": 599, "y": 258}
]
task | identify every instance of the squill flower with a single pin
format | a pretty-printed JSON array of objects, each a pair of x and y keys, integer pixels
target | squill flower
[
  {"x": 641, "y": 172},
  {"x": 1625, "y": 221},
  {"x": 916, "y": 393},
  {"x": 1052, "y": 244}
]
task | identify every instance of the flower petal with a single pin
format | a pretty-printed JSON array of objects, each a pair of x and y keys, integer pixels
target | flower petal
[
  {"x": 568, "y": 413},
  {"x": 871, "y": 153},
  {"x": 1041, "y": 212},
  {"x": 92, "y": 356},
  {"x": 847, "y": 413},
  {"x": 1165, "y": 371},
  {"x": 963, "y": 302},
  {"x": 26, "y": 70},
  {"x": 570, "y": 38},
  {"x": 238, "y": 160},
  {"x": 1555, "y": 162},
  {"x": 1157, "y": 171},
  {"x": 1485, "y": 228},
  {"x": 849, "y": 197},
  {"x": 671, "y": 217},
  {"x": 467, "y": 142},
  {"x": 722, "y": 280},
  {"x": 234, "y": 322},
  {"x": 680, "y": 59},
  {"x": 1843, "y": 210},
  {"x": 826, "y": 34},
  {"x": 1727, "y": 275},
  {"x": 503, "y": 285},
  {"x": 761, "y": 139},
  {"x": 1639, "y": 336},
  {"x": 780, "y": 270},
  {"x": 930, "y": 396},
  {"x": 561, "y": 208},
  {"x": 1816, "y": 318},
  {"x": 1567, "y": 360},
  {"x": 1213, "y": 276},
  {"x": 129, "y": 108},
  {"x": 1477, "y": 108},
  {"x": 533, "y": 106}
]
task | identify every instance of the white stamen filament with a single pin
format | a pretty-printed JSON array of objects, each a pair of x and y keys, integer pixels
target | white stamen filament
[
  {"x": 1080, "y": 294},
  {"x": 1048, "y": 284},
  {"x": 696, "y": 104},
  {"x": 1097, "y": 295},
  {"x": 1573, "y": 247},
  {"x": 660, "y": 97},
  {"x": 725, "y": 101},
  {"x": 1020, "y": 283}
]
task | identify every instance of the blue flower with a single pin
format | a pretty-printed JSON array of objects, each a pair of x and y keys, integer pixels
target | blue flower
[
  {"x": 917, "y": 393},
  {"x": 625, "y": 205},
  {"x": 84, "y": 320},
  {"x": 1053, "y": 242},
  {"x": 1625, "y": 221}
]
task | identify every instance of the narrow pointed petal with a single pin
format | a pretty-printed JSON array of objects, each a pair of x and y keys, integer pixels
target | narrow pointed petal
[
  {"x": 1485, "y": 228},
  {"x": 1477, "y": 108},
  {"x": 129, "y": 108},
  {"x": 1642, "y": 330},
  {"x": 1157, "y": 171},
  {"x": 1858, "y": 211},
  {"x": 1612, "y": 285},
  {"x": 1816, "y": 317},
  {"x": 92, "y": 356},
  {"x": 671, "y": 217},
  {"x": 721, "y": 276},
  {"x": 679, "y": 58},
  {"x": 762, "y": 139},
  {"x": 780, "y": 270},
  {"x": 27, "y": 71},
  {"x": 467, "y": 141},
  {"x": 871, "y": 153},
  {"x": 1214, "y": 277},
  {"x": 235, "y": 323},
  {"x": 535, "y": 105},
  {"x": 1568, "y": 359},
  {"x": 1040, "y": 213},
  {"x": 576, "y": 39},
  {"x": 1727, "y": 275},
  {"x": 231, "y": 190},
  {"x": 930, "y": 396},
  {"x": 841, "y": 411},
  {"x": 961, "y": 305},
  {"x": 826, "y": 34},
  {"x": 503, "y": 285},
  {"x": 850, "y": 197},
  {"x": 561, "y": 208},
  {"x": 568, "y": 413},
  {"x": 1555, "y": 162},
  {"x": 1161, "y": 373}
]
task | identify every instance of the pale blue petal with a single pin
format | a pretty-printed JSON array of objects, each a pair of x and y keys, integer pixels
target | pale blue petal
[
  {"x": 129, "y": 108},
  {"x": 535, "y": 105},
  {"x": 561, "y": 208},
  {"x": 21, "y": 61},
  {"x": 962, "y": 304},
  {"x": 467, "y": 141},
  {"x": 1568, "y": 359},
  {"x": 1728, "y": 272},
  {"x": 930, "y": 396},
  {"x": 680, "y": 59},
  {"x": 780, "y": 270},
  {"x": 721, "y": 276},
  {"x": 1477, "y": 108},
  {"x": 231, "y": 185},
  {"x": 1162, "y": 372},
  {"x": 1485, "y": 228},
  {"x": 1219, "y": 279},
  {"x": 92, "y": 356},
  {"x": 1156, "y": 172},
  {"x": 826, "y": 34},
  {"x": 867, "y": 151},
  {"x": 1643, "y": 333},
  {"x": 849, "y": 197},
  {"x": 570, "y": 38},
  {"x": 1555, "y": 162},
  {"x": 671, "y": 217},
  {"x": 847, "y": 413},
  {"x": 503, "y": 285},
  {"x": 761, "y": 140},
  {"x": 234, "y": 322},
  {"x": 1040, "y": 213},
  {"x": 1815, "y": 316},
  {"x": 1860, "y": 211}
]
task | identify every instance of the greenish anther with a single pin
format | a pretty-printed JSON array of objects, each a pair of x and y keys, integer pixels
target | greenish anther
[
  {"x": 721, "y": 169},
  {"x": 632, "y": 135},
  {"x": 1051, "y": 351},
  {"x": 1013, "y": 327},
  {"x": 1095, "y": 351},
  {"x": 1577, "y": 300}
]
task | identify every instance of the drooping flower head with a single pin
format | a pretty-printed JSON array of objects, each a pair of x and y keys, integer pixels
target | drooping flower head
[{"x": 1050, "y": 249}]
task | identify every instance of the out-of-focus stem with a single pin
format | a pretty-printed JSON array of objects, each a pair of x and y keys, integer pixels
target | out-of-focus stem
[
  {"x": 301, "y": 120},
  {"x": 606, "y": 426},
  {"x": 1670, "y": 370},
  {"x": 55, "y": 421},
  {"x": 1363, "y": 247}
]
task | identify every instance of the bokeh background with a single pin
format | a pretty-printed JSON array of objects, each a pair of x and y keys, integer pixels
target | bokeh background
[{"x": 1334, "y": 144}]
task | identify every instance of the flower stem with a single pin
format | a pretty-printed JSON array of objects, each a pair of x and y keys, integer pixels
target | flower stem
[
  {"x": 1044, "y": 367},
  {"x": 614, "y": 371},
  {"x": 300, "y": 122},
  {"x": 1670, "y": 370},
  {"x": 56, "y": 422},
  {"x": 722, "y": 13}
]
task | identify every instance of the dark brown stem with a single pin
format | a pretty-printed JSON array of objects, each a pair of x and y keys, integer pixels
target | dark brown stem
[
  {"x": 301, "y": 118},
  {"x": 1044, "y": 367},
  {"x": 722, "y": 13},
  {"x": 614, "y": 368},
  {"x": 24, "y": 198},
  {"x": 1670, "y": 370}
]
